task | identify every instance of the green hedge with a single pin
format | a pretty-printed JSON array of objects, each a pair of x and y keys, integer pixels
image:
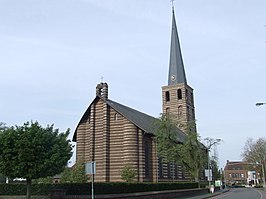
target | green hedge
[
  {"x": 100, "y": 188},
  {"x": 21, "y": 189},
  {"x": 114, "y": 188}
]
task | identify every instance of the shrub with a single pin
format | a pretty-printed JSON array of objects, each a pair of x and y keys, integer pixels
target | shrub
[{"x": 128, "y": 173}]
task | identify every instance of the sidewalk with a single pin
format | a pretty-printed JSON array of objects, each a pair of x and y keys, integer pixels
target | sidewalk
[{"x": 209, "y": 195}]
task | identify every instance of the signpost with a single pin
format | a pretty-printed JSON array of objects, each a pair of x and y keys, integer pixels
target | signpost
[
  {"x": 208, "y": 174},
  {"x": 90, "y": 168}
]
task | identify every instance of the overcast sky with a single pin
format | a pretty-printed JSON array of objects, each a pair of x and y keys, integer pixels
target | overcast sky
[{"x": 54, "y": 53}]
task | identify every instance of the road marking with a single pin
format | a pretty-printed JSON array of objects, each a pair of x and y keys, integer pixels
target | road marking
[{"x": 261, "y": 197}]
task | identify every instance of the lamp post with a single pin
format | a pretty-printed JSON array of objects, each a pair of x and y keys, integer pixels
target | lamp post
[
  {"x": 262, "y": 165},
  {"x": 210, "y": 143}
]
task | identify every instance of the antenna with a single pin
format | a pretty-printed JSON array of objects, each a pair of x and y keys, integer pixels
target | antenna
[{"x": 101, "y": 78}]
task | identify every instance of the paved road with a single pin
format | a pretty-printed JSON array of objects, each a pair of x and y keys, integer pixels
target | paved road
[{"x": 242, "y": 193}]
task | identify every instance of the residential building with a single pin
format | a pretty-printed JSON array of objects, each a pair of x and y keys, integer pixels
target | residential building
[{"x": 240, "y": 173}]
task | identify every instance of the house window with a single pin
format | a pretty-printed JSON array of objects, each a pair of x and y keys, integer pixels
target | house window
[
  {"x": 167, "y": 96},
  {"x": 167, "y": 110},
  {"x": 179, "y": 94}
]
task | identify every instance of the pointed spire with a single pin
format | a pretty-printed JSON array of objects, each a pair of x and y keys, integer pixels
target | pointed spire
[{"x": 176, "y": 67}]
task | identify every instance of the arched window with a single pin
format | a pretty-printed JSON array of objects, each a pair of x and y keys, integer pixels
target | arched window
[
  {"x": 167, "y": 96},
  {"x": 115, "y": 117},
  {"x": 179, "y": 94}
]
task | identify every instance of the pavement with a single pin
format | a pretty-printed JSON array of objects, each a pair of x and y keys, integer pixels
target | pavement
[{"x": 210, "y": 195}]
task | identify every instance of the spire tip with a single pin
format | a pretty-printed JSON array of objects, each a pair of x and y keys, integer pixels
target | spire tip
[{"x": 172, "y": 1}]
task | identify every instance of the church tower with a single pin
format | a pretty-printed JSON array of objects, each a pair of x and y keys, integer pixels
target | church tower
[{"x": 178, "y": 96}]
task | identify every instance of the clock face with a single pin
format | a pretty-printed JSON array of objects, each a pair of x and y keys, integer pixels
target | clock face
[{"x": 173, "y": 77}]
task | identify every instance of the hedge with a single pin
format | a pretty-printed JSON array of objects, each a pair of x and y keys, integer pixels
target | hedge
[{"x": 100, "y": 188}]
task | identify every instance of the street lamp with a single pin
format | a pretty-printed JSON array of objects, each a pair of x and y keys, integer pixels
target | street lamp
[
  {"x": 262, "y": 165},
  {"x": 260, "y": 103},
  {"x": 210, "y": 143}
]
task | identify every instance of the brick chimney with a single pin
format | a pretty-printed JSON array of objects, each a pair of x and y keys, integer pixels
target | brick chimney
[{"x": 102, "y": 90}]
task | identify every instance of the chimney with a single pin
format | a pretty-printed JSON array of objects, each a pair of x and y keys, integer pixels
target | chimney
[{"x": 102, "y": 90}]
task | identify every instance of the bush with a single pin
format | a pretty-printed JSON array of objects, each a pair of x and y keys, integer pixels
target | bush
[{"x": 128, "y": 173}]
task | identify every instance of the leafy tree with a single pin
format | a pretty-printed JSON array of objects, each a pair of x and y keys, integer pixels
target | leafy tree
[
  {"x": 215, "y": 170},
  {"x": 76, "y": 174},
  {"x": 168, "y": 144},
  {"x": 128, "y": 173},
  {"x": 31, "y": 152},
  {"x": 2, "y": 126},
  {"x": 190, "y": 152},
  {"x": 193, "y": 155}
]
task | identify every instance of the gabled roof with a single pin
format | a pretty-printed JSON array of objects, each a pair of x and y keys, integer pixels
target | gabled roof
[
  {"x": 236, "y": 165},
  {"x": 141, "y": 120}
]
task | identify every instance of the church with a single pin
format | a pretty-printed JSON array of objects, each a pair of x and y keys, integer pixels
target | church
[{"x": 114, "y": 135}]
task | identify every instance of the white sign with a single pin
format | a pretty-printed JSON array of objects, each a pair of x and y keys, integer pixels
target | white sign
[
  {"x": 208, "y": 174},
  {"x": 90, "y": 168}
]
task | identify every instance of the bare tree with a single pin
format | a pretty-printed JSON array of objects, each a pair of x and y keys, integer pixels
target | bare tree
[{"x": 254, "y": 151}]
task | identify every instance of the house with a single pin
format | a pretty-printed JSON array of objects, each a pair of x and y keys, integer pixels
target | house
[{"x": 240, "y": 173}]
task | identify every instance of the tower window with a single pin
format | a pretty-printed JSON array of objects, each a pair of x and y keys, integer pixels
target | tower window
[
  {"x": 179, "y": 112},
  {"x": 179, "y": 94},
  {"x": 188, "y": 113},
  {"x": 167, "y": 96},
  {"x": 191, "y": 95},
  {"x": 193, "y": 114}
]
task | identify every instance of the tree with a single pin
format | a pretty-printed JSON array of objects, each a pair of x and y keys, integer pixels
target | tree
[
  {"x": 215, "y": 170},
  {"x": 45, "y": 180},
  {"x": 76, "y": 174},
  {"x": 193, "y": 155},
  {"x": 31, "y": 152},
  {"x": 128, "y": 173},
  {"x": 190, "y": 152},
  {"x": 2, "y": 126},
  {"x": 168, "y": 144},
  {"x": 254, "y": 152}
]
